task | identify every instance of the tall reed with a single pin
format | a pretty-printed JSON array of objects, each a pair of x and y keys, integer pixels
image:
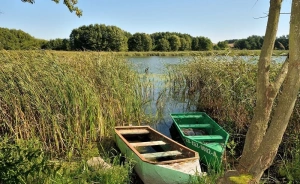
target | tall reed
[
  {"x": 226, "y": 91},
  {"x": 66, "y": 100}
]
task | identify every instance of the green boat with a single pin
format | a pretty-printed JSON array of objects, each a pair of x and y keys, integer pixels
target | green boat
[
  {"x": 202, "y": 134},
  {"x": 157, "y": 158}
]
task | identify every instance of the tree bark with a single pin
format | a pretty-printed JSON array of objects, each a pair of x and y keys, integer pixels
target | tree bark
[
  {"x": 264, "y": 100},
  {"x": 286, "y": 101},
  {"x": 262, "y": 141}
]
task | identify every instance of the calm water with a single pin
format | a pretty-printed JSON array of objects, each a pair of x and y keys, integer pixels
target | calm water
[{"x": 161, "y": 103}]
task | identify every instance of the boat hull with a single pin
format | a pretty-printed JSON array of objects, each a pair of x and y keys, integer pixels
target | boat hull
[
  {"x": 209, "y": 156},
  {"x": 170, "y": 173},
  {"x": 210, "y": 144}
]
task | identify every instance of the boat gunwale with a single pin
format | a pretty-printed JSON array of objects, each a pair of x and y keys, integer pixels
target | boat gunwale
[
  {"x": 162, "y": 135},
  {"x": 190, "y": 137}
]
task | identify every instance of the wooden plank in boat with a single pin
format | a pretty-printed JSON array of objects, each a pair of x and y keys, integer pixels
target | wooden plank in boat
[
  {"x": 134, "y": 131},
  {"x": 195, "y": 126},
  {"x": 150, "y": 143},
  {"x": 206, "y": 137},
  {"x": 161, "y": 154}
]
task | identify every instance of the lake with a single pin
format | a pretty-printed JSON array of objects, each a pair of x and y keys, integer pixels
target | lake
[{"x": 154, "y": 70}]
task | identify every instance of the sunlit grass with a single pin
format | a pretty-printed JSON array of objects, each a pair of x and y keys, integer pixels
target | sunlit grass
[{"x": 68, "y": 100}]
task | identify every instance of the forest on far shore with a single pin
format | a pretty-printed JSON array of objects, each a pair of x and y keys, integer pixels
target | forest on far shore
[{"x": 100, "y": 37}]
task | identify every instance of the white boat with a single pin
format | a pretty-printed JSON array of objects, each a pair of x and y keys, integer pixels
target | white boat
[{"x": 157, "y": 158}]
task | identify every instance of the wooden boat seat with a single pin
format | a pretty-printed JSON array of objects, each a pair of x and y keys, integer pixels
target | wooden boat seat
[
  {"x": 161, "y": 154},
  {"x": 150, "y": 143},
  {"x": 134, "y": 131},
  {"x": 195, "y": 126},
  {"x": 206, "y": 137}
]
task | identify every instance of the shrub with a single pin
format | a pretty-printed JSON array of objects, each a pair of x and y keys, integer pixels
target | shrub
[{"x": 23, "y": 161}]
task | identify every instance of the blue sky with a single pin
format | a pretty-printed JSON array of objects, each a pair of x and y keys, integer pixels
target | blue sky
[{"x": 216, "y": 19}]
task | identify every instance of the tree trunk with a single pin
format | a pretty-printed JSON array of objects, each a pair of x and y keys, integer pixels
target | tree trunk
[
  {"x": 262, "y": 141},
  {"x": 264, "y": 101},
  {"x": 286, "y": 101}
]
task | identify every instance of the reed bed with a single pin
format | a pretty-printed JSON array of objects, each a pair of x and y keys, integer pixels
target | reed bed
[
  {"x": 67, "y": 101},
  {"x": 226, "y": 91}
]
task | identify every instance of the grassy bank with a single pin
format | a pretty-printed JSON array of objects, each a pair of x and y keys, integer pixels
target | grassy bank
[
  {"x": 66, "y": 101},
  {"x": 226, "y": 91},
  {"x": 68, "y": 104},
  {"x": 26, "y": 162},
  {"x": 229, "y": 52},
  {"x": 58, "y": 109}
]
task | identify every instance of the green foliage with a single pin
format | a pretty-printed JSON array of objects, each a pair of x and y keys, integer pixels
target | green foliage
[
  {"x": 111, "y": 38},
  {"x": 80, "y": 172},
  {"x": 242, "y": 44},
  {"x": 11, "y": 39},
  {"x": 222, "y": 45},
  {"x": 140, "y": 42},
  {"x": 255, "y": 43},
  {"x": 71, "y": 4},
  {"x": 186, "y": 43},
  {"x": 290, "y": 168},
  {"x": 231, "y": 145},
  {"x": 201, "y": 44},
  {"x": 163, "y": 45},
  {"x": 183, "y": 43},
  {"x": 174, "y": 43},
  {"x": 99, "y": 37},
  {"x": 23, "y": 161},
  {"x": 57, "y": 44},
  {"x": 212, "y": 176}
]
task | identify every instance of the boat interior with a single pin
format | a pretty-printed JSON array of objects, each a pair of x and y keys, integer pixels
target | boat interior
[
  {"x": 153, "y": 146},
  {"x": 197, "y": 130}
]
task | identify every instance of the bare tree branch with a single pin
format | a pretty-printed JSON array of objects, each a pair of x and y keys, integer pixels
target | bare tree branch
[
  {"x": 261, "y": 17},
  {"x": 255, "y": 3},
  {"x": 275, "y": 86},
  {"x": 268, "y": 15}
]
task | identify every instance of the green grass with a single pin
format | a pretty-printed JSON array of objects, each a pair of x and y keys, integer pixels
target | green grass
[
  {"x": 26, "y": 162},
  {"x": 67, "y": 101}
]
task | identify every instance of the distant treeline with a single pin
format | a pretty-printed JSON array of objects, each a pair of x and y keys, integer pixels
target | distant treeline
[
  {"x": 100, "y": 37},
  {"x": 11, "y": 39}
]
